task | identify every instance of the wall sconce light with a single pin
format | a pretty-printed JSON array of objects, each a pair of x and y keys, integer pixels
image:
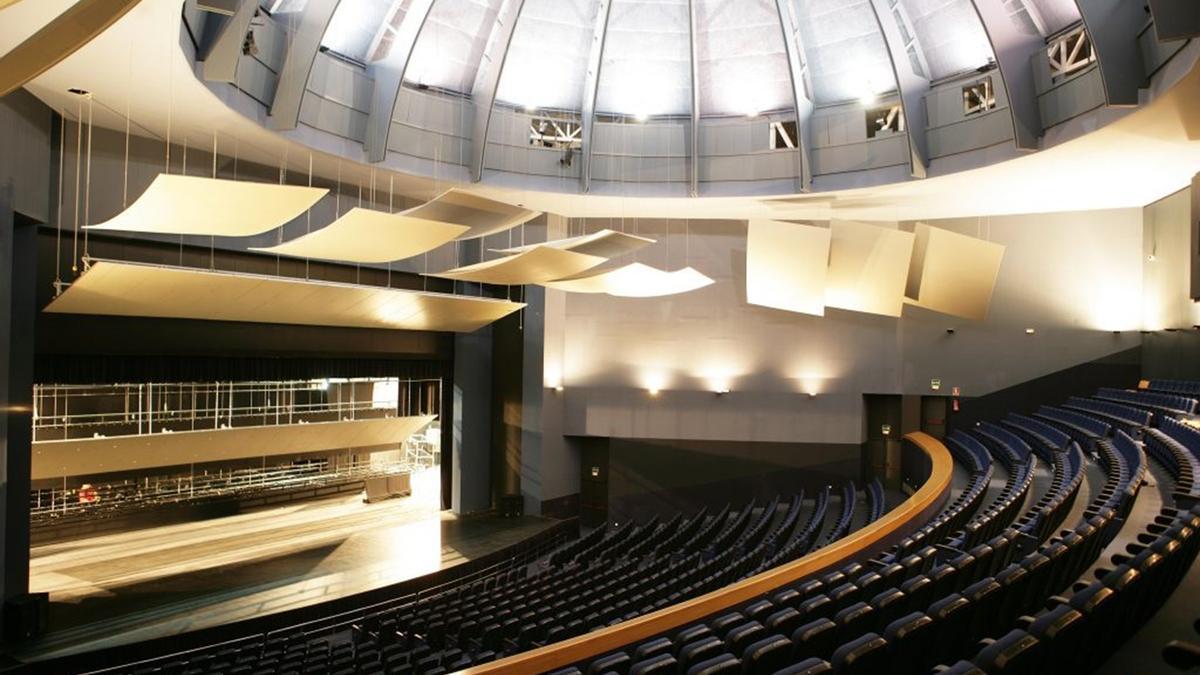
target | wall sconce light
[
  {"x": 558, "y": 388},
  {"x": 812, "y": 394},
  {"x": 949, "y": 331},
  {"x": 721, "y": 391},
  {"x": 652, "y": 391},
  {"x": 1030, "y": 331}
]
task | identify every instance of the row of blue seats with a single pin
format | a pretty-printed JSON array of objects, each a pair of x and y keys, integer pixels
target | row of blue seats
[
  {"x": 1003, "y": 508},
  {"x": 1082, "y": 429},
  {"x": 1186, "y": 435},
  {"x": 1076, "y": 633},
  {"x": 804, "y": 625},
  {"x": 1171, "y": 454},
  {"x": 1037, "y": 431},
  {"x": 1167, "y": 402},
  {"x": 1119, "y": 414},
  {"x": 1185, "y": 387},
  {"x": 876, "y": 501}
]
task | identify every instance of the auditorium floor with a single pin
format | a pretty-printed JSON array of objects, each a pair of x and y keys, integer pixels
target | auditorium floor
[{"x": 132, "y": 586}]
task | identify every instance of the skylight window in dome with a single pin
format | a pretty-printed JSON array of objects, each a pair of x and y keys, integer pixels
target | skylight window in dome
[
  {"x": 742, "y": 63},
  {"x": 451, "y": 44},
  {"x": 949, "y": 35},
  {"x": 646, "y": 69},
  {"x": 1051, "y": 16},
  {"x": 547, "y": 59},
  {"x": 355, "y": 26},
  {"x": 847, "y": 57}
]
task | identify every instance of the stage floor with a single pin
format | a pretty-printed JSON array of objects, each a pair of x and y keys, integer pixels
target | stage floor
[{"x": 121, "y": 588}]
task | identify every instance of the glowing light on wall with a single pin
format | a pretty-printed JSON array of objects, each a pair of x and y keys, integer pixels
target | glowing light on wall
[
  {"x": 654, "y": 382},
  {"x": 1119, "y": 307}
]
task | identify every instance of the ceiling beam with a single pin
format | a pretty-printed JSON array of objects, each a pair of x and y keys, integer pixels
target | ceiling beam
[
  {"x": 1113, "y": 26},
  {"x": 1014, "y": 51},
  {"x": 591, "y": 88},
  {"x": 57, "y": 40},
  {"x": 487, "y": 80},
  {"x": 221, "y": 61},
  {"x": 798, "y": 70},
  {"x": 388, "y": 75},
  {"x": 1175, "y": 19},
  {"x": 913, "y": 85},
  {"x": 694, "y": 150},
  {"x": 298, "y": 64}
]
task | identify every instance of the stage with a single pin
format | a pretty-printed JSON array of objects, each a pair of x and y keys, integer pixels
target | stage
[{"x": 120, "y": 588}]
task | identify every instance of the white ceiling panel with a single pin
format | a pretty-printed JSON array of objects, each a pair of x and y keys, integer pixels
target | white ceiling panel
[
  {"x": 847, "y": 56},
  {"x": 647, "y": 59},
  {"x": 448, "y": 52},
  {"x": 741, "y": 61},
  {"x": 547, "y": 59}
]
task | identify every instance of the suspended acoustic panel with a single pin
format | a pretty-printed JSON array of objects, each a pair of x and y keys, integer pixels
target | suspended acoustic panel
[
  {"x": 868, "y": 268},
  {"x": 482, "y": 215},
  {"x": 635, "y": 280},
  {"x": 953, "y": 273},
  {"x": 605, "y": 243},
  {"x": 132, "y": 289},
  {"x": 537, "y": 265},
  {"x": 196, "y": 205},
  {"x": 366, "y": 236},
  {"x": 91, "y": 456},
  {"x": 786, "y": 266}
]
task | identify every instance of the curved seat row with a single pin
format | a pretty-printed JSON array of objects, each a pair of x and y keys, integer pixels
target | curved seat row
[
  {"x": 1184, "y": 387},
  {"x": 1185, "y": 435},
  {"x": 917, "y": 605},
  {"x": 1037, "y": 431},
  {"x": 1168, "y": 403},
  {"x": 1122, "y": 416}
]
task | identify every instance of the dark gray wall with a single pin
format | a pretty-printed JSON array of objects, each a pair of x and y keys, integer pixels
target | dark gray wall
[{"x": 26, "y": 126}]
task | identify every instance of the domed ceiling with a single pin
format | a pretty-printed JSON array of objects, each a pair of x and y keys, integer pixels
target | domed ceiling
[{"x": 741, "y": 57}]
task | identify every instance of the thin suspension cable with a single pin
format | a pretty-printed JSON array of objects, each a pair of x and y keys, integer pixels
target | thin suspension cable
[
  {"x": 78, "y": 173},
  {"x": 62, "y": 152},
  {"x": 87, "y": 199}
]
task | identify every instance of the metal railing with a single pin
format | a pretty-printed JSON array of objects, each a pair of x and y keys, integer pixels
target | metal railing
[{"x": 134, "y": 409}]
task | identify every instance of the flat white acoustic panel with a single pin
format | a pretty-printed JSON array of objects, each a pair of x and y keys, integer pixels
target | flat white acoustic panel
[
  {"x": 868, "y": 267},
  {"x": 131, "y": 289},
  {"x": 953, "y": 273},
  {"x": 605, "y": 243},
  {"x": 212, "y": 207},
  {"x": 635, "y": 280},
  {"x": 482, "y": 215},
  {"x": 91, "y": 456},
  {"x": 366, "y": 236},
  {"x": 535, "y": 266},
  {"x": 786, "y": 266}
]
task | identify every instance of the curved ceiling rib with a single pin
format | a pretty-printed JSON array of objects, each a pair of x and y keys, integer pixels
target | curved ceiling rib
[
  {"x": 487, "y": 79},
  {"x": 221, "y": 61},
  {"x": 694, "y": 135},
  {"x": 913, "y": 85},
  {"x": 388, "y": 74},
  {"x": 798, "y": 72},
  {"x": 1014, "y": 49},
  {"x": 298, "y": 64},
  {"x": 1112, "y": 26},
  {"x": 590, "y": 88}
]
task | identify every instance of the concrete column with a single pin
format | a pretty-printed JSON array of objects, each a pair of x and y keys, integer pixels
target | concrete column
[
  {"x": 471, "y": 446},
  {"x": 17, "y": 313}
]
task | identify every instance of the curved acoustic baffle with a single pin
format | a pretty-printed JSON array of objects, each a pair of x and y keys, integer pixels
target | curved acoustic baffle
[
  {"x": 195, "y": 205},
  {"x": 368, "y": 236},
  {"x": 535, "y": 266},
  {"x": 604, "y": 243},
  {"x": 482, "y": 215},
  {"x": 634, "y": 280}
]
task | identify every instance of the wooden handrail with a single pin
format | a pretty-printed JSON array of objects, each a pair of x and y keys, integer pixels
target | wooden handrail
[{"x": 897, "y": 523}]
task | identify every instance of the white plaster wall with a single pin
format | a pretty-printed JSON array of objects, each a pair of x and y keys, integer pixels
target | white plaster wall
[{"x": 1074, "y": 277}]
